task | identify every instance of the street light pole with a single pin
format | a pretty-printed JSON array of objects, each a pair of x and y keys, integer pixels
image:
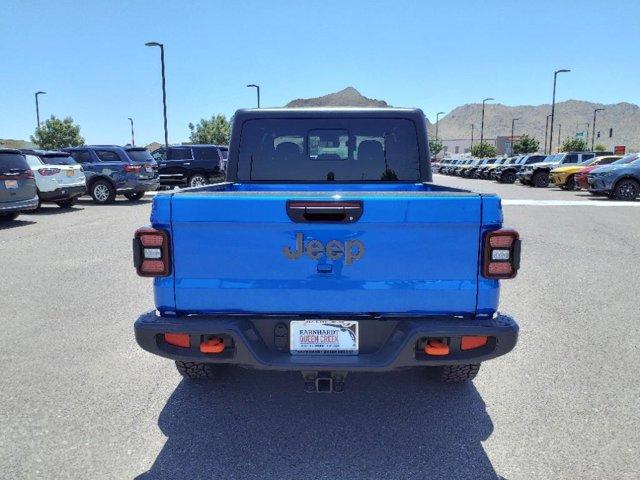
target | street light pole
[
  {"x": 257, "y": 87},
  {"x": 482, "y": 123},
  {"x": 559, "y": 135},
  {"x": 133, "y": 140},
  {"x": 164, "y": 90},
  {"x": 546, "y": 131},
  {"x": 513, "y": 121},
  {"x": 437, "y": 120},
  {"x": 593, "y": 134},
  {"x": 472, "y": 127},
  {"x": 38, "y": 109},
  {"x": 553, "y": 105}
]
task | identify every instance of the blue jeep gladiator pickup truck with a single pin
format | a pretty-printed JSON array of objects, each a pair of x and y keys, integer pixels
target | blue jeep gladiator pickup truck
[{"x": 327, "y": 250}]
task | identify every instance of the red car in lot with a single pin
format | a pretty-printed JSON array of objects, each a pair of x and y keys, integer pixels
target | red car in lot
[{"x": 581, "y": 176}]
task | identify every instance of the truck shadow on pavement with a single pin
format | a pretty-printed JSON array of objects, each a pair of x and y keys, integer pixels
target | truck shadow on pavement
[{"x": 262, "y": 425}]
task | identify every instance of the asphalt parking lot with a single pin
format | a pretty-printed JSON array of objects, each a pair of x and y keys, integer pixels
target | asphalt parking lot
[{"x": 79, "y": 399}]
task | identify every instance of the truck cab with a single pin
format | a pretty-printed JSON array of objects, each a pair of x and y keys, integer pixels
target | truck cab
[{"x": 315, "y": 255}]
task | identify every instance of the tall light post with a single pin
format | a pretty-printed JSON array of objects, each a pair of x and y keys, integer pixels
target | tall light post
[
  {"x": 38, "y": 109},
  {"x": 513, "y": 122},
  {"x": 593, "y": 134},
  {"x": 472, "y": 127},
  {"x": 133, "y": 140},
  {"x": 257, "y": 87},
  {"x": 546, "y": 131},
  {"x": 437, "y": 121},
  {"x": 164, "y": 90},
  {"x": 482, "y": 123},
  {"x": 553, "y": 105},
  {"x": 559, "y": 135}
]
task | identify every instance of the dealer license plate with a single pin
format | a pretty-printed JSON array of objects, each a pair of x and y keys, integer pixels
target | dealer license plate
[
  {"x": 11, "y": 183},
  {"x": 335, "y": 337}
]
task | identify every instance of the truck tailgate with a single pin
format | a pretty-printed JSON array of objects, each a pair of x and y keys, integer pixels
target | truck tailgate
[{"x": 409, "y": 253}]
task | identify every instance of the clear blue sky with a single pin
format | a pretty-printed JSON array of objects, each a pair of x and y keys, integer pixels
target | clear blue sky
[{"x": 91, "y": 59}]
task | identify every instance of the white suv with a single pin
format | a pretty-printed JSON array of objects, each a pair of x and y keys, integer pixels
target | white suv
[{"x": 59, "y": 178}]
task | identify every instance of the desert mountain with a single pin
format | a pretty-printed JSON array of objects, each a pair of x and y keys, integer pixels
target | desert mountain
[
  {"x": 349, "y": 97},
  {"x": 570, "y": 116}
]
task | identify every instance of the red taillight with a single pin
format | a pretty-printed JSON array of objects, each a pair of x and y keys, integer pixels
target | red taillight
[
  {"x": 28, "y": 174},
  {"x": 178, "y": 339},
  {"x": 132, "y": 168},
  {"x": 151, "y": 252},
  {"x": 469, "y": 343},
  {"x": 47, "y": 171},
  {"x": 501, "y": 254}
]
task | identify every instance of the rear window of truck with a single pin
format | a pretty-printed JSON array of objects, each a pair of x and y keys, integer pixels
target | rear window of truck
[{"x": 329, "y": 150}]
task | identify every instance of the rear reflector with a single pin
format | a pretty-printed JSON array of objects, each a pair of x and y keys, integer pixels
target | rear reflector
[
  {"x": 151, "y": 252},
  {"x": 501, "y": 256},
  {"x": 469, "y": 343},
  {"x": 178, "y": 339}
]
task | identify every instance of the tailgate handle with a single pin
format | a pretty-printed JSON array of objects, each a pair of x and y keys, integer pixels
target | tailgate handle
[{"x": 324, "y": 212}]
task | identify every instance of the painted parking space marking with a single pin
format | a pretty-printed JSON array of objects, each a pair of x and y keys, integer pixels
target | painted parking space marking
[{"x": 569, "y": 203}]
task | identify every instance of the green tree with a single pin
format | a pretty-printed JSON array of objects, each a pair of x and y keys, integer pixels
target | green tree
[
  {"x": 573, "y": 145},
  {"x": 600, "y": 147},
  {"x": 216, "y": 130},
  {"x": 525, "y": 144},
  {"x": 56, "y": 133},
  {"x": 481, "y": 150},
  {"x": 435, "y": 147}
]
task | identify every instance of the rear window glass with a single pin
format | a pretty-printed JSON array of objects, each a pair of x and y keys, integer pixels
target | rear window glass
[
  {"x": 206, "y": 153},
  {"x": 10, "y": 161},
  {"x": 139, "y": 155},
  {"x": 179, "y": 154},
  {"x": 325, "y": 150},
  {"x": 225, "y": 153},
  {"x": 58, "y": 160},
  {"x": 108, "y": 156},
  {"x": 82, "y": 156}
]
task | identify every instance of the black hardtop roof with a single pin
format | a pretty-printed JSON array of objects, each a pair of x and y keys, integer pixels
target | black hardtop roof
[
  {"x": 328, "y": 112},
  {"x": 196, "y": 145}
]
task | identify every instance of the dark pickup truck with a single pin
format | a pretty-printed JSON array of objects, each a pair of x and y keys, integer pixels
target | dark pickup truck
[{"x": 327, "y": 250}]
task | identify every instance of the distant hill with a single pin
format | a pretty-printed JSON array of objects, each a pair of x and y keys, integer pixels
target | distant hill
[
  {"x": 573, "y": 115},
  {"x": 349, "y": 97},
  {"x": 9, "y": 143}
]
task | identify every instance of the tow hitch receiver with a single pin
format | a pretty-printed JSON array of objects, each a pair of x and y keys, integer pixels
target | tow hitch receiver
[{"x": 324, "y": 382}]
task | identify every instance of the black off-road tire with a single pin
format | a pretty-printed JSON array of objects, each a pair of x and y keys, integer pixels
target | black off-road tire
[
  {"x": 198, "y": 370},
  {"x": 458, "y": 373},
  {"x": 508, "y": 177},
  {"x": 134, "y": 197},
  {"x": 540, "y": 179},
  {"x": 626, "y": 189},
  {"x": 570, "y": 183}
]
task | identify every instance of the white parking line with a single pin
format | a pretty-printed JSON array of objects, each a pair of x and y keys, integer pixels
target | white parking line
[
  {"x": 546, "y": 203},
  {"x": 570, "y": 203}
]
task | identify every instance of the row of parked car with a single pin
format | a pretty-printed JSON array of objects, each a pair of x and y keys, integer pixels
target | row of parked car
[
  {"x": 599, "y": 173},
  {"x": 29, "y": 178}
]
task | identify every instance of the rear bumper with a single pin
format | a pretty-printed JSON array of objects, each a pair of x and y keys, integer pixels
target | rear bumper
[
  {"x": 384, "y": 344},
  {"x": 140, "y": 185},
  {"x": 63, "y": 193},
  {"x": 19, "y": 206}
]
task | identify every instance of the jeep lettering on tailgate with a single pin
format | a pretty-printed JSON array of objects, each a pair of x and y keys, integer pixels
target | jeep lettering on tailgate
[{"x": 351, "y": 250}]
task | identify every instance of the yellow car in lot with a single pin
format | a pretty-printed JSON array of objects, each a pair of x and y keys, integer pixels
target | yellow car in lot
[{"x": 565, "y": 177}]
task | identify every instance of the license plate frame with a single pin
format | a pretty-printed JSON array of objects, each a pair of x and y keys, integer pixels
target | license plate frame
[
  {"x": 11, "y": 184},
  {"x": 324, "y": 337}
]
